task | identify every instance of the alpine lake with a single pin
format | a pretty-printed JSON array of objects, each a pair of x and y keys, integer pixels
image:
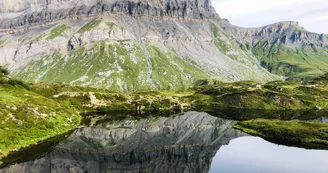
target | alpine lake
[{"x": 165, "y": 142}]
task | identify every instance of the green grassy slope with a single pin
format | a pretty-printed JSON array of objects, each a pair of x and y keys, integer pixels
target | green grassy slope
[
  {"x": 270, "y": 96},
  {"x": 58, "y": 31},
  {"x": 27, "y": 117},
  {"x": 303, "y": 134},
  {"x": 240, "y": 54},
  {"x": 127, "y": 65},
  {"x": 298, "y": 62},
  {"x": 119, "y": 66}
]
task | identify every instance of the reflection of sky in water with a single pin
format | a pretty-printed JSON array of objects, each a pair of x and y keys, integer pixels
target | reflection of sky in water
[{"x": 255, "y": 155}]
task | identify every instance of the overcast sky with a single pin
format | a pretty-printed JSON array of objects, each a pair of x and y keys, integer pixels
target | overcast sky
[{"x": 311, "y": 14}]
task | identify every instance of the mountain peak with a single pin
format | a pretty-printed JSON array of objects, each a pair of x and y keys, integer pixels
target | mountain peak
[{"x": 284, "y": 24}]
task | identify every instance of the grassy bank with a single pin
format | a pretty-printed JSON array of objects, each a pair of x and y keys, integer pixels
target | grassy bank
[
  {"x": 277, "y": 95},
  {"x": 27, "y": 117},
  {"x": 206, "y": 96},
  {"x": 303, "y": 134}
]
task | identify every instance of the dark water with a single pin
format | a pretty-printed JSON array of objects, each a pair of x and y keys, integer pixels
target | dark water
[{"x": 192, "y": 142}]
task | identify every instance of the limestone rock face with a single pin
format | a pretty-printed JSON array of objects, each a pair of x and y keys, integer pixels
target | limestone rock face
[
  {"x": 37, "y": 54},
  {"x": 288, "y": 33},
  {"x": 73, "y": 41},
  {"x": 20, "y": 13}
]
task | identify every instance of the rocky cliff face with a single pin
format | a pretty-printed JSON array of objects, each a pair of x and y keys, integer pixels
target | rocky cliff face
[
  {"x": 38, "y": 12},
  {"x": 288, "y": 33},
  {"x": 149, "y": 45},
  {"x": 124, "y": 45},
  {"x": 185, "y": 143}
]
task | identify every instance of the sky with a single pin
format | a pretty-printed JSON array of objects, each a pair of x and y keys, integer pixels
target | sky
[{"x": 311, "y": 14}]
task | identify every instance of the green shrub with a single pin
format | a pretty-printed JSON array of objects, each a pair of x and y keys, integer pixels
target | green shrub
[
  {"x": 4, "y": 71},
  {"x": 18, "y": 82}
]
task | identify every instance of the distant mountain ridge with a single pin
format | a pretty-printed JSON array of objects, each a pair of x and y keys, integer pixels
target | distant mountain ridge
[
  {"x": 285, "y": 48},
  {"x": 149, "y": 45}
]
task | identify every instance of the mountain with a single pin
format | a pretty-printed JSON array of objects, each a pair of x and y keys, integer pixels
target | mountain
[
  {"x": 148, "y": 45},
  {"x": 285, "y": 48}
]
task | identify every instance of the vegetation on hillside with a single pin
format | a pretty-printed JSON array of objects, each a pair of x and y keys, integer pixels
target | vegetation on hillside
[
  {"x": 296, "y": 63},
  {"x": 208, "y": 95},
  {"x": 3, "y": 71},
  {"x": 240, "y": 53},
  {"x": 58, "y": 31},
  {"x": 87, "y": 27},
  {"x": 2, "y": 43},
  {"x": 302, "y": 133},
  {"x": 118, "y": 66},
  {"x": 273, "y": 95},
  {"x": 27, "y": 117},
  {"x": 278, "y": 128}
]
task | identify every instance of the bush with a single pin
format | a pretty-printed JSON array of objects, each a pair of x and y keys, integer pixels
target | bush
[
  {"x": 3, "y": 71},
  {"x": 18, "y": 82}
]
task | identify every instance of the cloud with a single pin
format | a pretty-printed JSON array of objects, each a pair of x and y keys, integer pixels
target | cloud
[{"x": 313, "y": 15}]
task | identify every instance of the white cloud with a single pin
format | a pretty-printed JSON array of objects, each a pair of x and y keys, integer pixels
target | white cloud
[{"x": 312, "y": 15}]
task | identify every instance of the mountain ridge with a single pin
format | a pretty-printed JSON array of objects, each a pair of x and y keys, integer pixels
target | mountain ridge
[
  {"x": 47, "y": 11},
  {"x": 285, "y": 48},
  {"x": 180, "y": 43}
]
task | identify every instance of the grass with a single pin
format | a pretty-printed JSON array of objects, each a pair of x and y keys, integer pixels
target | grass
[
  {"x": 58, "y": 31},
  {"x": 277, "y": 95},
  {"x": 2, "y": 43},
  {"x": 34, "y": 151},
  {"x": 27, "y": 117},
  {"x": 177, "y": 75},
  {"x": 122, "y": 65},
  {"x": 241, "y": 54},
  {"x": 118, "y": 66},
  {"x": 303, "y": 133},
  {"x": 114, "y": 101},
  {"x": 299, "y": 63},
  {"x": 89, "y": 26}
]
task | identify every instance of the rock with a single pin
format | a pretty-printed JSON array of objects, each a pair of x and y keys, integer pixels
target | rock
[
  {"x": 44, "y": 115},
  {"x": 317, "y": 108},
  {"x": 194, "y": 9},
  {"x": 14, "y": 108},
  {"x": 184, "y": 29},
  {"x": 188, "y": 76}
]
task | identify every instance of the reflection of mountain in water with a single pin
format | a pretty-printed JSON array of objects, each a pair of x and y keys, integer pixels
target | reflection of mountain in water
[{"x": 185, "y": 143}]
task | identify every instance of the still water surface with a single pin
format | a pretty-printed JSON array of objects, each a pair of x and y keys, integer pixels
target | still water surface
[
  {"x": 192, "y": 142},
  {"x": 255, "y": 155}
]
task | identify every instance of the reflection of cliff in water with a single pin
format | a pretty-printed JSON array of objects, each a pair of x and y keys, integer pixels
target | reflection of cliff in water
[{"x": 184, "y": 143}]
